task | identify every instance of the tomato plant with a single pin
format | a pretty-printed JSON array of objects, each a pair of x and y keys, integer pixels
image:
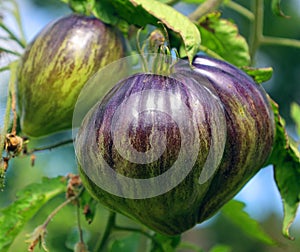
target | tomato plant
[{"x": 169, "y": 120}]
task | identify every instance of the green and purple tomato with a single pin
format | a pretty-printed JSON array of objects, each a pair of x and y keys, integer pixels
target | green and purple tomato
[
  {"x": 55, "y": 67},
  {"x": 170, "y": 150}
]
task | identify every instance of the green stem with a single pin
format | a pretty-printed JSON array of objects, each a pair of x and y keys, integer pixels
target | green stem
[
  {"x": 137, "y": 230},
  {"x": 51, "y": 146},
  {"x": 266, "y": 40},
  {"x": 210, "y": 52},
  {"x": 109, "y": 227},
  {"x": 257, "y": 29},
  {"x": 141, "y": 51},
  {"x": 205, "y": 8},
  {"x": 79, "y": 223},
  {"x": 257, "y": 38},
  {"x": 9, "y": 107},
  {"x": 13, "y": 94},
  {"x": 12, "y": 35},
  {"x": 241, "y": 10},
  {"x": 19, "y": 23},
  {"x": 2, "y": 49},
  {"x": 2, "y": 139},
  {"x": 5, "y": 68},
  {"x": 61, "y": 206}
]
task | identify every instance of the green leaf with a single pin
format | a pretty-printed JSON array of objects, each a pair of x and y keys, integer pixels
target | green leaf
[
  {"x": 167, "y": 243},
  {"x": 285, "y": 158},
  {"x": 143, "y": 12},
  {"x": 28, "y": 202},
  {"x": 105, "y": 11},
  {"x": 295, "y": 113},
  {"x": 234, "y": 211},
  {"x": 275, "y": 5},
  {"x": 128, "y": 244},
  {"x": 220, "y": 248},
  {"x": 81, "y": 6},
  {"x": 222, "y": 37},
  {"x": 259, "y": 75}
]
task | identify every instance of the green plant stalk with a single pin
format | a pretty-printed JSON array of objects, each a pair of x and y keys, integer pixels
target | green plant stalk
[
  {"x": 57, "y": 209},
  {"x": 2, "y": 139},
  {"x": 19, "y": 23},
  {"x": 79, "y": 223},
  {"x": 66, "y": 142},
  {"x": 4, "y": 50},
  {"x": 5, "y": 68},
  {"x": 257, "y": 37},
  {"x": 210, "y": 52},
  {"x": 241, "y": 10},
  {"x": 108, "y": 229},
  {"x": 257, "y": 27},
  {"x": 137, "y": 230},
  {"x": 205, "y": 8},
  {"x": 61, "y": 206},
  {"x": 13, "y": 94},
  {"x": 111, "y": 226},
  {"x": 268, "y": 40},
  {"x": 7, "y": 118},
  {"x": 12, "y": 35}
]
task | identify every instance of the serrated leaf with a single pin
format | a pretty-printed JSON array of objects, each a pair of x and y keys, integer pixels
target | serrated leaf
[
  {"x": 234, "y": 211},
  {"x": 275, "y": 5},
  {"x": 28, "y": 202},
  {"x": 259, "y": 75},
  {"x": 222, "y": 37},
  {"x": 143, "y": 12},
  {"x": 285, "y": 158},
  {"x": 295, "y": 113}
]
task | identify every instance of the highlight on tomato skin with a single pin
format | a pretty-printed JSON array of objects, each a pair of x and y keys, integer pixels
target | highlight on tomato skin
[
  {"x": 55, "y": 67},
  {"x": 169, "y": 150}
]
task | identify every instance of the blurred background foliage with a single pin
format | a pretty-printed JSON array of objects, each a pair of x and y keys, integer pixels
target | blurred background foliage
[{"x": 284, "y": 87}]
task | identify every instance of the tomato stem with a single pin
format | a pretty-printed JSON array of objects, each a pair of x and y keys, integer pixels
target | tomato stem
[
  {"x": 241, "y": 10},
  {"x": 5, "y": 50},
  {"x": 66, "y": 142},
  {"x": 108, "y": 229},
  {"x": 268, "y": 40},
  {"x": 204, "y": 9},
  {"x": 12, "y": 35},
  {"x": 79, "y": 223},
  {"x": 257, "y": 28}
]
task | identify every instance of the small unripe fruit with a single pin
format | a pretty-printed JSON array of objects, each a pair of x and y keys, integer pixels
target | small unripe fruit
[{"x": 55, "y": 67}]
